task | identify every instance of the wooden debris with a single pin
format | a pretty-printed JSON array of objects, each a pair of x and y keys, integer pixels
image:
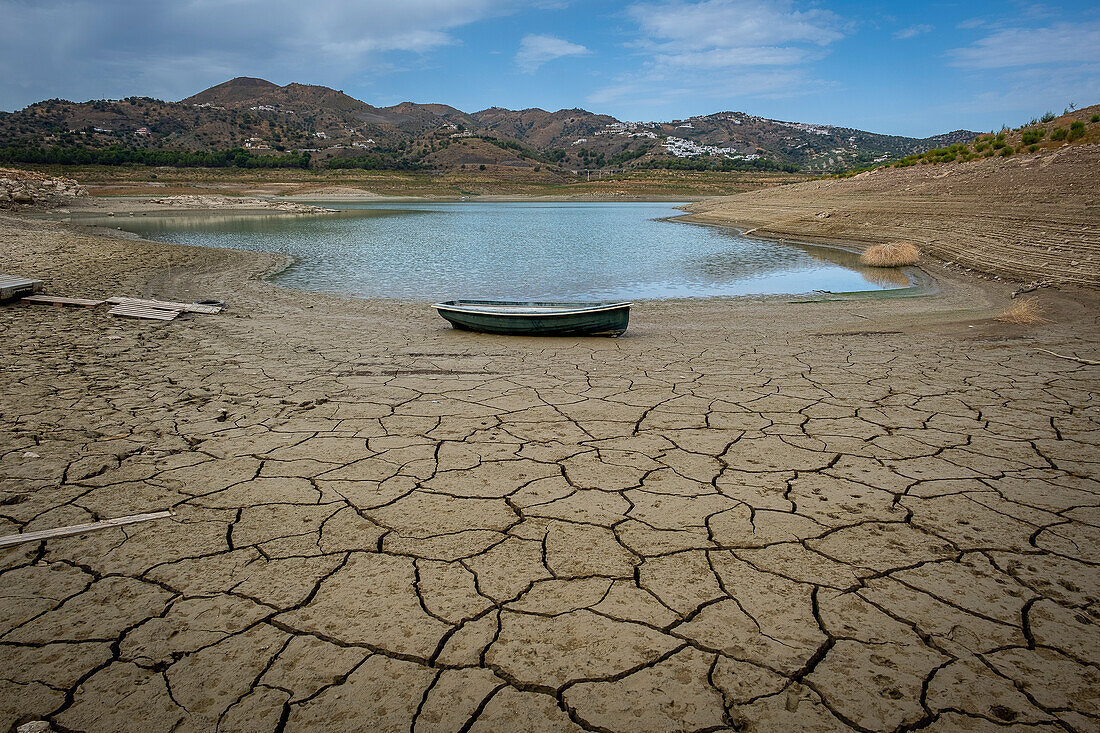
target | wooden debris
[
  {"x": 60, "y": 300},
  {"x": 14, "y": 287},
  {"x": 138, "y": 311},
  {"x": 1030, "y": 287},
  {"x": 167, "y": 305},
  {"x": 1090, "y": 362},
  {"x": 45, "y": 534}
]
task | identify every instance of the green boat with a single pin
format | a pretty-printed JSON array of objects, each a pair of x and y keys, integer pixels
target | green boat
[{"x": 537, "y": 318}]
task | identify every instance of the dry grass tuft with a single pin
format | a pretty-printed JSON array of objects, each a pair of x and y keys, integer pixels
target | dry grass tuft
[
  {"x": 894, "y": 254},
  {"x": 1024, "y": 312}
]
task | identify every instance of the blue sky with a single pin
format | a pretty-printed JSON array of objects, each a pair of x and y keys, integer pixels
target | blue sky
[{"x": 901, "y": 67}]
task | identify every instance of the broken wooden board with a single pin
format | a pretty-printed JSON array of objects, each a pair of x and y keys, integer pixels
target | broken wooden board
[
  {"x": 167, "y": 305},
  {"x": 61, "y": 300},
  {"x": 138, "y": 311},
  {"x": 45, "y": 534},
  {"x": 14, "y": 287}
]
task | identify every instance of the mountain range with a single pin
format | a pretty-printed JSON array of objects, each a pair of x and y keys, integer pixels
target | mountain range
[{"x": 266, "y": 119}]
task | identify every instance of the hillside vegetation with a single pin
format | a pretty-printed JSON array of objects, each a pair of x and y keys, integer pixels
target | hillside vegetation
[
  {"x": 1073, "y": 127},
  {"x": 503, "y": 181},
  {"x": 262, "y": 124}
]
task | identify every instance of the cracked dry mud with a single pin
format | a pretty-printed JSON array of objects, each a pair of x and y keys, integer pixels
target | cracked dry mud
[{"x": 753, "y": 516}]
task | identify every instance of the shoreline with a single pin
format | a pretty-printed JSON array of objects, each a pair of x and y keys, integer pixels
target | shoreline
[
  {"x": 921, "y": 281},
  {"x": 252, "y": 270},
  {"x": 926, "y": 282}
]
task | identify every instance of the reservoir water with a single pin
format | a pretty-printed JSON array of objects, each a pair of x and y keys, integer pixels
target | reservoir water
[{"x": 518, "y": 251}]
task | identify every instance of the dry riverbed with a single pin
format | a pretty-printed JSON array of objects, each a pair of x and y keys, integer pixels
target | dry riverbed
[{"x": 871, "y": 514}]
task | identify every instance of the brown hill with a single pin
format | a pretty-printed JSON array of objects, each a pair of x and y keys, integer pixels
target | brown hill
[
  {"x": 245, "y": 92},
  {"x": 1033, "y": 217},
  {"x": 259, "y": 115},
  {"x": 233, "y": 93},
  {"x": 473, "y": 152},
  {"x": 541, "y": 129}
]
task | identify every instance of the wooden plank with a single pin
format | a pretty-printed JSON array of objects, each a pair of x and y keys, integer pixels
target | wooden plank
[
  {"x": 157, "y": 304},
  {"x": 144, "y": 316},
  {"x": 12, "y": 286},
  {"x": 143, "y": 309},
  {"x": 209, "y": 310},
  {"x": 167, "y": 305},
  {"x": 154, "y": 314},
  {"x": 61, "y": 300},
  {"x": 16, "y": 280},
  {"x": 45, "y": 534}
]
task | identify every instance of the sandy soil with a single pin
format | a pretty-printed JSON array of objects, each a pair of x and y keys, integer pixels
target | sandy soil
[
  {"x": 186, "y": 202},
  {"x": 869, "y": 514},
  {"x": 1032, "y": 217}
]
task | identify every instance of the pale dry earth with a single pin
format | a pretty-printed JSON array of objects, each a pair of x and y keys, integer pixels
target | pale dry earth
[
  {"x": 1034, "y": 217},
  {"x": 871, "y": 515}
]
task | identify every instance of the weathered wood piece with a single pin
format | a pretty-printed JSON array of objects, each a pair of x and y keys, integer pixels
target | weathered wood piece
[
  {"x": 167, "y": 305},
  {"x": 45, "y": 534},
  {"x": 61, "y": 300},
  {"x": 14, "y": 287},
  {"x": 1090, "y": 362},
  {"x": 137, "y": 311}
]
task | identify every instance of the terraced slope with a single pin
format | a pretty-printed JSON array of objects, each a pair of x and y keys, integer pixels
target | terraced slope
[{"x": 1029, "y": 218}]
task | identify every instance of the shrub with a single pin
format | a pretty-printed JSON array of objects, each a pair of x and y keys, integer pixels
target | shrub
[
  {"x": 1024, "y": 312},
  {"x": 1032, "y": 136},
  {"x": 1007, "y": 151},
  {"x": 1094, "y": 118},
  {"x": 1076, "y": 130},
  {"x": 997, "y": 145},
  {"x": 1032, "y": 148},
  {"x": 1060, "y": 133},
  {"x": 1047, "y": 117},
  {"x": 481, "y": 167},
  {"x": 894, "y": 254}
]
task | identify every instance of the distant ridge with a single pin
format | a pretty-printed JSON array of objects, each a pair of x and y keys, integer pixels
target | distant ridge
[
  {"x": 233, "y": 92},
  {"x": 256, "y": 114}
]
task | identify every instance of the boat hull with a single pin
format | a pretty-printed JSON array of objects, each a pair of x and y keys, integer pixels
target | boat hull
[{"x": 537, "y": 319}]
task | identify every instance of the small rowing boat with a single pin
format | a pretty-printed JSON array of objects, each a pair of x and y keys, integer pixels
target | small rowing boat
[{"x": 537, "y": 318}]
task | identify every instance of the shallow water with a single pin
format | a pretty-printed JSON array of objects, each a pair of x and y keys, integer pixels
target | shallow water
[{"x": 520, "y": 251}]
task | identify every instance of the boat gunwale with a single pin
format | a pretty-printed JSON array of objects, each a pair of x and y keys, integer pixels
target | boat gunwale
[{"x": 530, "y": 312}]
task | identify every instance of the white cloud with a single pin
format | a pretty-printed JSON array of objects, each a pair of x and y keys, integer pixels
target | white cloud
[
  {"x": 1060, "y": 43},
  {"x": 735, "y": 23},
  {"x": 722, "y": 50},
  {"x": 656, "y": 90},
  {"x": 718, "y": 58},
  {"x": 111, "y": 48},
  {"x": 913, "y": 31},
  {"x": 714, "y": 34},
  {"x": 971, "y": 23},
  {"x": 536, "y": 50}
]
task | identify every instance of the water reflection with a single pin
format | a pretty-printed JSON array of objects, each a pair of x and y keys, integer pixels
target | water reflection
[
  {"x": 255, "y": 222},
  {"x": 518, "y": 251},
  {"x": 882, "y": 278}
]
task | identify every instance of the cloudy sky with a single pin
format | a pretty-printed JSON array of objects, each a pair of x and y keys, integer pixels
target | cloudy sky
[{"x": 900, "y": 67}]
